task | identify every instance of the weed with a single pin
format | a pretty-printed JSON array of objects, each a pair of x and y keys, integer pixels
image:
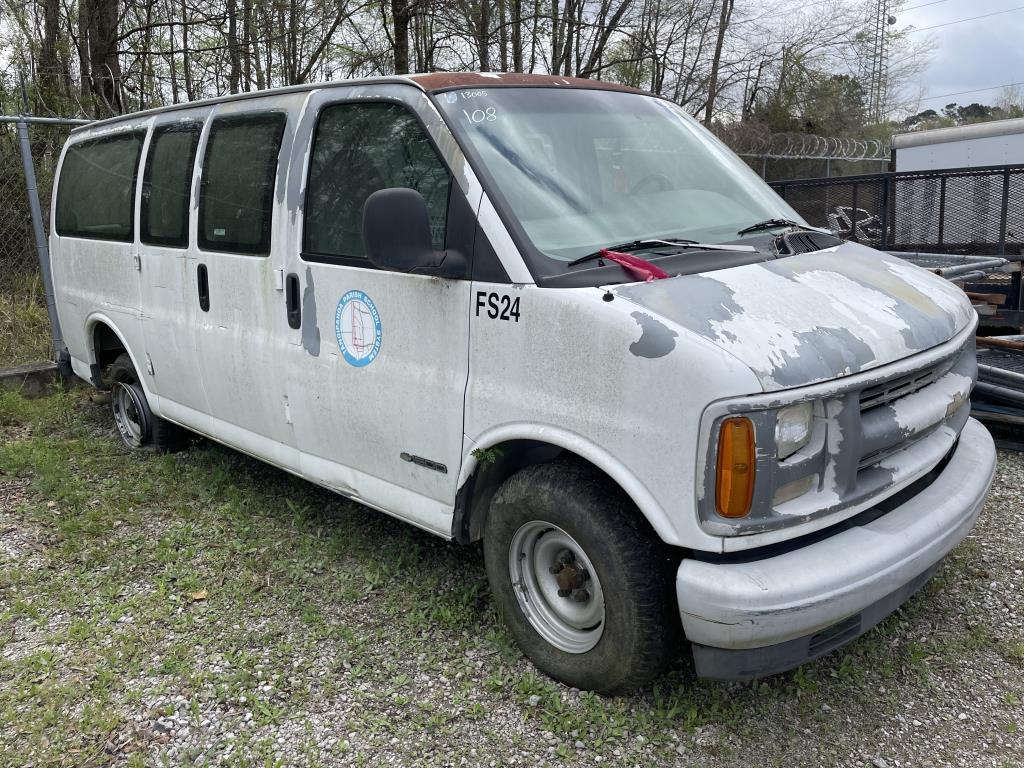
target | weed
[
  {"x": 487, "y": 455},
  {"x": 24, "y": 324}
]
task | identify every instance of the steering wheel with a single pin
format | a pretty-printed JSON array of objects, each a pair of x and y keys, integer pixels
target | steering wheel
[{"x": 654, "y": 182}]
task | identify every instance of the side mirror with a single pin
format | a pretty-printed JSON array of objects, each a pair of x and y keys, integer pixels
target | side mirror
[{"x": 396, "y": 234}]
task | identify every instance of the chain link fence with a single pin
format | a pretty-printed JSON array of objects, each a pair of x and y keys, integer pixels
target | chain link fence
[{"x": 25, "y": 333}]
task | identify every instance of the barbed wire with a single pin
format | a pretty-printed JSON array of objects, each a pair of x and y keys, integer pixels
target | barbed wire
[{"x": 752, "y": 140}]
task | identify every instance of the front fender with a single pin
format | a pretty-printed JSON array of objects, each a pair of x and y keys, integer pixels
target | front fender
[{"x": 633, "y": 487}]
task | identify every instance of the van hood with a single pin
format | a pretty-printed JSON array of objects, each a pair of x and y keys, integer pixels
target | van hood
[{"x": 812, "y": 317}]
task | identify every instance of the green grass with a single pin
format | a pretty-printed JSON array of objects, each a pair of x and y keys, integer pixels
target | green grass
[
  {"x": 24, "y": 325},
  {"x": 134, "y": 587}
]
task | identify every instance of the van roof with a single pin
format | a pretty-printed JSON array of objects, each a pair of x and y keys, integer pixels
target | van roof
[
  {"x": 441, "y": 81},
  {"x": 432, "y": 82}
]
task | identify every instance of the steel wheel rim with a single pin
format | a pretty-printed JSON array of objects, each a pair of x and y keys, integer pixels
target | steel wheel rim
[
  {"x": 572, "y": 622},
  {"x": 128, "y": 414}
]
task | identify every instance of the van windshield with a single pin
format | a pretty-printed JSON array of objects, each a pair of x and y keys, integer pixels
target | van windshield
[{"x": 578, "y": 169}]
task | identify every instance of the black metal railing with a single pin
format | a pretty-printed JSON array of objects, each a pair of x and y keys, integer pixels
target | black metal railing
[{"x": 955, "y": 210}]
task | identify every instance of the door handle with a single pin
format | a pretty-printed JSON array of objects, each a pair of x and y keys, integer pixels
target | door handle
[
  {"x": 291, "y": 290},
  {"x": 203, "y": 278}
]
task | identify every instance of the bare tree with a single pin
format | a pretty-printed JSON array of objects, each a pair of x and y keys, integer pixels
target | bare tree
[{"x": 725, "y": 60}]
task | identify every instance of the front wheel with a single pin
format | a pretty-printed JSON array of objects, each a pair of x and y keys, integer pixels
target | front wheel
[{"x": 583, "y": 584}]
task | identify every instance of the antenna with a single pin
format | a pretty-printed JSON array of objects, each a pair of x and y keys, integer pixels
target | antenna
[{"x": 878, "y": 64}]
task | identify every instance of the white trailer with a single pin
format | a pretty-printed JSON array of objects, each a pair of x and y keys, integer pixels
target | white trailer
[
  {"x": 975, "y": 200},
  {"x": 1000, "y": 142}
]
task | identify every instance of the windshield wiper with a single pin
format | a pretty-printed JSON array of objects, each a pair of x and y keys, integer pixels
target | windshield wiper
[
  {"x": 640, "y": 245},
  {"x": 773, "y": 223},
  {"x": 768, "y": 224}
]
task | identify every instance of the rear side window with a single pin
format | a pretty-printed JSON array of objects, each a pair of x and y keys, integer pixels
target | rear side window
[
  {"x": 96, "y": 191},
  {"x": 359, "y": 149},
  {"x": 166, "y": 183},
  {"x": 237, "y": 189}
]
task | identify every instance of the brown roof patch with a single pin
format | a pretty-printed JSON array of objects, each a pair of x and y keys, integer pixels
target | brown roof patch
[{"x": 439, "y": 81}]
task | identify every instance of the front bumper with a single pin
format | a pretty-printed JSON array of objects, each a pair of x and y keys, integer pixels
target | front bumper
[{"x": 758, "y": 617}]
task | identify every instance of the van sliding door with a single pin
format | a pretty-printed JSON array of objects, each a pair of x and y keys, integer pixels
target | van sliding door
[
  {"x": 167, "y": 263},
  {"x": 235, "y": 284}
]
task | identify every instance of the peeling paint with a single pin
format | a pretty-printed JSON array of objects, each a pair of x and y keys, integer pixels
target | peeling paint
[
  {"x": 926, "y": 408},
  {"x": 812, "y": 317},
  {"x": 656, "y": 338},
  {"x": 310, "y": 330},
  {"x": 829, "y": 493}
]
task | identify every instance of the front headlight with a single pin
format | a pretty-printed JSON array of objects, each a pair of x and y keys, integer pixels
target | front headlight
[{"x": 793, "y": 428}]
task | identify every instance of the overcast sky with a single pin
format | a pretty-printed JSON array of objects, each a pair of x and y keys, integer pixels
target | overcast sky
[{"x": 974, "y": 54}]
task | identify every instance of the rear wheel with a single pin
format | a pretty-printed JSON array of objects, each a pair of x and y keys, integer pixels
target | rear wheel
[
  {"x": 134, "y": 420},
  {"x": 582, "y": 583}
]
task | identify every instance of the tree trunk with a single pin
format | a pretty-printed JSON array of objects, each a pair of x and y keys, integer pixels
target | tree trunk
[
  {"x": 723, "y": 25},
  {"x": 568, "y": 17},
  {"x": 104, "y": 61},
  {"x": 247, "y": 37},
  {"x": 293, "y": 43},
  {"x": 257, "y": 58},
  {"x": 533, "y": 36},
  {"x": 49, "y": 82},
  {"x": 484, "y": 36},
  {"x": 147, "y": 70},
  {"x": 400, "y": 21},
  {"x": 172, "y": 64},
  {"x": 84, "y": 12},
  {"x": 517, "y": 35},
  {"x": 502, "y": 36},
  {"x": 282, "y": 37},
  {"x": 556, "y": 38},
  {"x": 186, "y": 60},
  {"x": 234, "y": 55}
]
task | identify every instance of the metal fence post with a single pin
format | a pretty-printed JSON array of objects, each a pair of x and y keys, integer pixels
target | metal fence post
[
  {"x": 884, "y": 213},
  {"x": 42, "y": 249},
  {"x": 854, "y": 211},
  {"x": 1003, "y": 211},
  {"x": 942, "y": 208}
]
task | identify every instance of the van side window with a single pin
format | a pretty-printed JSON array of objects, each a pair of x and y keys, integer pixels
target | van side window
[
  {"x": 237, "y": 188},
  {"x": 359, "y": 149},
  {"x": 166, "y": 184},
  {"x": 96, "y": 191}
]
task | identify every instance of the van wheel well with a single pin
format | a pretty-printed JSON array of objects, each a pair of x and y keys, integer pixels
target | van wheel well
[
  {"x": 107, "y": 348},
  {"x": 496, "y": 465}
]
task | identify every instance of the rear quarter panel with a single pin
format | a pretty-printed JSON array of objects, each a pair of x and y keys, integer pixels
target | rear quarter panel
[{"x": 95, "y": 277}]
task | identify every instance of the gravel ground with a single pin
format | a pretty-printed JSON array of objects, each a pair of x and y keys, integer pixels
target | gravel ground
[{"x": 204, "y": 609}]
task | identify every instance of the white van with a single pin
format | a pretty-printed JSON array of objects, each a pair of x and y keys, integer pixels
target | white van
[{"x": 554, "y": 315}]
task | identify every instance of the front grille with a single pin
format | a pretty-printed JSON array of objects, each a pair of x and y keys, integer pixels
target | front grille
[{"x": 901, "y": 386}]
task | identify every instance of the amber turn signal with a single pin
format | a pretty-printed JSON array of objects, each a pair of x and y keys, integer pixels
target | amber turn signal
[{"x": 734, "y": 481}]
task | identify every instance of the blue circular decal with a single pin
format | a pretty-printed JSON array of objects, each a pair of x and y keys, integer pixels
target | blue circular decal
[{"x": 357, "y": 326}]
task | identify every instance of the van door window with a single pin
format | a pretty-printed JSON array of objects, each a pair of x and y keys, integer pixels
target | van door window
[
  {"x": 359, "y": 149},
  {"x": 166, "y": 184},
  {"x": 96, "y": 191},
  {"x": 237, "y": 188}
]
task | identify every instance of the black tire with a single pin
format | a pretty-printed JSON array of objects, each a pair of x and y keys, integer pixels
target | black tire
[
  {"x": 635, "y": 570},
  {"x": 138, "y": 427}
]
